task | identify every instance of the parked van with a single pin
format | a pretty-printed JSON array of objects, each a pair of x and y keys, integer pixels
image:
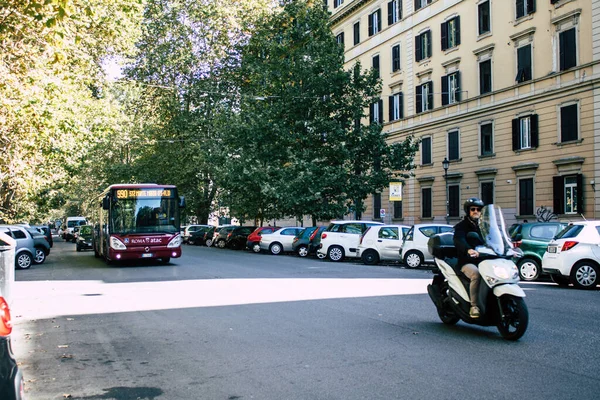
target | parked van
[{"x": 71, "y": 223}]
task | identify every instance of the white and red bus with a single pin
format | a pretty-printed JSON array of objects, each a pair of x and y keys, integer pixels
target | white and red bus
[{"x": 138, "y": 221}]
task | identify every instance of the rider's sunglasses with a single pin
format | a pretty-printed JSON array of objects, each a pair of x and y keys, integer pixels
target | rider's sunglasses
[{"x": 475, "y": 208}]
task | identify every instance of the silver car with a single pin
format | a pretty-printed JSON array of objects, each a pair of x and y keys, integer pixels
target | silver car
[
  {"x": 25, "y": 251},
  {"x": 281, "y": 240}
]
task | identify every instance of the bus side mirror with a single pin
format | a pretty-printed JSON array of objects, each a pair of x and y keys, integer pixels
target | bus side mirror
[
  {"x": 181, "y": 202},
  {"x": 105, "y": 203}
]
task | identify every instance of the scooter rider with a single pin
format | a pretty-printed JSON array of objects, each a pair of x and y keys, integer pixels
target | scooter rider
[{"x": 467, "y": 255}]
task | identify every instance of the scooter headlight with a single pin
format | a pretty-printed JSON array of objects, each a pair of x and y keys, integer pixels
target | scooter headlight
[{"x": 501, "y": 272}]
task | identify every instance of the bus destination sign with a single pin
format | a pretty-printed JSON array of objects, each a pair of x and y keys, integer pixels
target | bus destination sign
[{"x": 138, "y": 193}]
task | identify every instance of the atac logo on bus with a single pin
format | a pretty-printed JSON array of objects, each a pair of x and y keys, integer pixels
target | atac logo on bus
[{"x": 145, "y": 240}]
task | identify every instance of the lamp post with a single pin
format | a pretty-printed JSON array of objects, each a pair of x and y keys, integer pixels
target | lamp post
[{"x": 446, "y": 165}]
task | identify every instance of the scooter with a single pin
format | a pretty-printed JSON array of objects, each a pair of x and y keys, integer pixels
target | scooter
[{"x": 500, "y": 298}]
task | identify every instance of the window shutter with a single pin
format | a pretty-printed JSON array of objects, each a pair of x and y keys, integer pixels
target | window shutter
[
  {"x": 391, "y": 107},
  {"x": 371, "y": 25},
  {"x": 580, "y": 204},
  {"x": 561, "y": 51},
  {"x": 530, "y": 6},
  {"x": 380, "y": 111},
  {"x": 516, "y": 134},
  {"x": 371, "y": 112},
  {"x": 379, "y": 20},
  {"x": 567, "y": 49},
  {"x": 458, "y": 93},
  {"x": 376, "y": 64},
  {"x": 430, "y": 96},
  {"x": 444, "y": 35},
  {"x": 417, "y": 4},
  {"x": 401, "y": 105},
  {"x": 534, "y": 131},
  {"x": 445, "y": 90},
  {"x": 418, "y": 98},
  {"x": 357, "y": 33},
  {"x": 396, "y": 58},
  {"x": 418, "y": 52},
  {"x": 457, "y": 30},
  {"x": 558, "y": 188},
  {"x": 520, "y": 8},
  {"x": 568, "y": 123},
  {"x": 390, "y": 13},
  {"x": 428, "y": 33}
]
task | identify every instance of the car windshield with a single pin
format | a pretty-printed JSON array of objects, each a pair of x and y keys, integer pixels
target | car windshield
[
  {"x": 145, "y": 215},
  {"x": 85, "y": 230}
]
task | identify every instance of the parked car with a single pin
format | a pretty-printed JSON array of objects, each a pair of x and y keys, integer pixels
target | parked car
[
  {"x": 25, "y": 251},
  {"x": 42, "y": 247},
  {"x": 304, "y": 243},
  {"x": 220, "y": 238},
  {"x": 237, "y": 238},
  {"x": 188, "y": 230},
  {"x": 532, "y": 238},
  {"x": 574, "y": 255},
  {"x": 198, "y": 236},
  {"x": 253, "y": 240},
  {"x": 46, "y": 231},
  {"x": 210, "y": 235},
  {"x": 279, "y": 241},
  {"x": 381, "y": 243},
  {"x": 11, "y": 377},
  {"x": 341, "y": 239},
  {"x": 414, "y": 249},
  {"x": 84, "y": 238}
]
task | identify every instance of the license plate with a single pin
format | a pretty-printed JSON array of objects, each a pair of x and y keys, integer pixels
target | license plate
[
  {"x": 147, "y": 255},
  {"x": 551, "y": 249}
]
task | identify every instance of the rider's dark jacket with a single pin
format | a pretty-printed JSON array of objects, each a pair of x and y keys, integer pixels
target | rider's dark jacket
[{"x": 460, "y": 241}]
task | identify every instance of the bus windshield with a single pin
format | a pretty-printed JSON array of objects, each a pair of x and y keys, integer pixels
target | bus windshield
[{"x": 145, "y": 215}]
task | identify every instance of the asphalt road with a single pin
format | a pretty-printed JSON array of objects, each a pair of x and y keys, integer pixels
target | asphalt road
[{"x": 223, "y": 324}]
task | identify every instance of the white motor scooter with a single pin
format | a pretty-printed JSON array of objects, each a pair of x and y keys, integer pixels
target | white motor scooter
[{"x": 500, "y": 299}]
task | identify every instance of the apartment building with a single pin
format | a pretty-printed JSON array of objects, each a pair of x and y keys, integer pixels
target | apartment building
[{"x": 507, "y": 91}]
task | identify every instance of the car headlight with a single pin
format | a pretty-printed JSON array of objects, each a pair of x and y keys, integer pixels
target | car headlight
[
  {"x": 116, "y": 244},
  {"x": 175, "y": 242}
]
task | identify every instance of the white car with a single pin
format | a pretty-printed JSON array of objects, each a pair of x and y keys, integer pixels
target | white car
[
  {"x": 280, "y": 240},
  {"x": 188, "y": 230},
  {"x": 381, "y": 243},
  {"x": 574, "y": 255},
  {"x": 341, "y": 239},
  {"x": 414, "y": 250}
]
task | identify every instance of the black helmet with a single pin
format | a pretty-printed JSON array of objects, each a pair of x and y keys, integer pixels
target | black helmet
[{"x": 473, "y": 201}]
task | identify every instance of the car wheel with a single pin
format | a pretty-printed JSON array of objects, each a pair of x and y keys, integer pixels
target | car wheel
[
  {"x": 370, "y": 257},
  {"x": 221, "y": 244},
  {"x": 335, "y": 253},
  {"x": 560, "y": 280},
  {"x": 165, "y": 260},
  {"x": 208, "y": 242},
  {"x": 302, "y": 251},
  {"x": 78, "y": 248},
  {"x": 275, "y": 249},
  {"x": 23, "y": 261},
  {"x": 529, "y": 269},
  {"x": 413, "y": 259},
  {"x": 191, "y": 242},
  {"x": 584, "y": 275},
  {"x": 40, "y": 256},
  {"x": 256, "y": 248}
]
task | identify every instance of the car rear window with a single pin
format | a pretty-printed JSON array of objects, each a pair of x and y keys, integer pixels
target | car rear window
[
  {"x": 543, "y": 231},
  {"x": 428, "y": 231},
  {"x": 570, "y": 232}
]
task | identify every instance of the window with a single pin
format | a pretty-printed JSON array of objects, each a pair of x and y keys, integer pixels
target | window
[
  {"x": 451, "y": 88},
  {"x": 486, "y": 139},
  {"x": 526, "y": 196},
  {"x": 569, "y": 123},
  {"x": 525, "y": 7},
  {"x": 426, "y": 151},
  {"x": 567, "y": 49},
  {"x": 485, "y": 76},
  {"x": 421, "y": 3},
  {"x": 396, "y": 58},
  {"x": 426, "y": 203},
  {"x": 375, "y": 64},
  {"x": 375, "y": 22},
  {"x": 451, "y": 33},
  {"x": 568, "y": 194},
  {"x": 525, "y": 132},
  {"x": 389, "y": 232},
  {"x": 376, "y": 113},
  {"x": 397, "y": 209},
  {"x": 356, "y": 33},
  {"x": 487, "y": 192},
  {"x": 340, "y": 38},
  {"x": 394, "y": 11},
  {"x": 453, "y": 146},
  {"x": 376, "y": 205},
  {"x": 424, "y": 97},
  {"x": 483, "y": 11},
  {"x": 337, "y": 3},
  {"x": 523, "y": 64},
  {"x": 396, "y": 106},
  {"x": 454, "y": 200},
  {"x": 423, "y": 46}
]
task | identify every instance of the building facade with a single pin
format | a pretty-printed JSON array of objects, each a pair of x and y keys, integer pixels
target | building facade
[{"x": 507, "y": 91}]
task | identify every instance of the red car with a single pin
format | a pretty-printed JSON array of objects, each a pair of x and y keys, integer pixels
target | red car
[{"x": 253, "y": 241}]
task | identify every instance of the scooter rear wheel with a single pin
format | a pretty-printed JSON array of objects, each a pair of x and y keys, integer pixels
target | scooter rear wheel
[
  {"x": 516, "y": 317},
  {"x": 447, "y": 317}
]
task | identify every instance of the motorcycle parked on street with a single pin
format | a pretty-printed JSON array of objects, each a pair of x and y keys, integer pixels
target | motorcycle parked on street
[{"x": 501, "y": 299}]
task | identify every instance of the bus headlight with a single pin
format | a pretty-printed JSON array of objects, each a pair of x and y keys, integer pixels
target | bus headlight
[
  {"x": 175, "y": 242},
  {"x": 116, "y": 244}
]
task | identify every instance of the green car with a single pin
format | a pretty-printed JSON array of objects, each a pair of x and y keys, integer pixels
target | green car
[
  {"x": 532, "y": 238},
  {"x": 84, "y": 237}
]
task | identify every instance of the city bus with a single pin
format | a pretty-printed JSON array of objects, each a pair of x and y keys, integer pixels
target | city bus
[{"x": 138, "y": 221}]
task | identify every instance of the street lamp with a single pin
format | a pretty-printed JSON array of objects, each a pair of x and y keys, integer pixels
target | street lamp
[{"x": 446, "y": 165}]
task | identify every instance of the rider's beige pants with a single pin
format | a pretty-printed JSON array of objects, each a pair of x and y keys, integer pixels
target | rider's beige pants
[{"x": 471, "y": 272}]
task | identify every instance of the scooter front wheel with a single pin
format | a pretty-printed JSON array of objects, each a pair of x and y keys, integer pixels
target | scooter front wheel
[{"x": 514, "y": 317}]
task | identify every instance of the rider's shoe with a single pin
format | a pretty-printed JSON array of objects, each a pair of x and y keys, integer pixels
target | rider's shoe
[{"x": 474, "y": 312}]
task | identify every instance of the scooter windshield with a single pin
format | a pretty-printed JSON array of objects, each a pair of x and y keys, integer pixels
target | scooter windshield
[{"x": 493, "y": 230}]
